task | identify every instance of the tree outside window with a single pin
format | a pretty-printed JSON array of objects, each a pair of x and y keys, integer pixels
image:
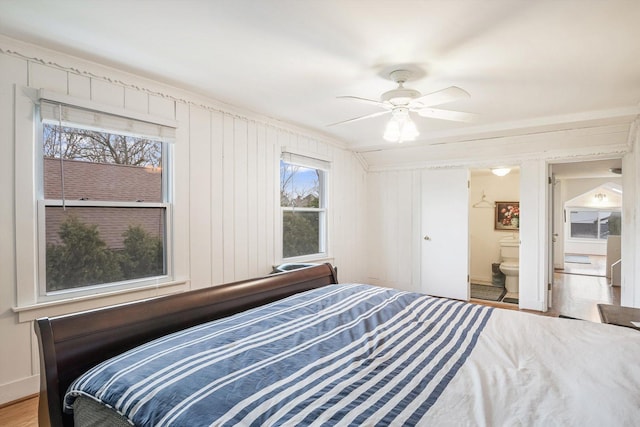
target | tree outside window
[
  {"x": 104, "y": 207},
  {"x": 302, "y": 201}
]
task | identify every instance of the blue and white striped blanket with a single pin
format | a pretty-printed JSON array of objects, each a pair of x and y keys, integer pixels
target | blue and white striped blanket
[{"x": 342, "y": 354}]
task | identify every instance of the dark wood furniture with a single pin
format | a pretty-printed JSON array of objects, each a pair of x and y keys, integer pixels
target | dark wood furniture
[
  {"x": 72, "y": 344},
  {"x": 621, "y": 316}
]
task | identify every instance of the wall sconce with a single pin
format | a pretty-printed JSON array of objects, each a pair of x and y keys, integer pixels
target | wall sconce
[
  {"x": 500, "y": 171},
  {"x": 600, "y": 197}
]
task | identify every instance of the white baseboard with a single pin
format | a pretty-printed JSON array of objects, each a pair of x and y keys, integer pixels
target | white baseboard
[{"x": 16, "y": 390}]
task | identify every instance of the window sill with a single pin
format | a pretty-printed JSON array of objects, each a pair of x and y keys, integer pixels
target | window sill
[
  {"x": 316, "y": 258},
  {"x": 586, "y": 240},
  {"x": 29, "y": 313}
]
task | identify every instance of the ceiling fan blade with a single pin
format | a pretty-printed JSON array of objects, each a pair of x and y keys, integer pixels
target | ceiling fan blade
[
  {"x": 365, "y": 100},
  {"x": 368, "y": 116},
  {"x": 452, "y": 93},
  {"x": 456, "y": 116}
]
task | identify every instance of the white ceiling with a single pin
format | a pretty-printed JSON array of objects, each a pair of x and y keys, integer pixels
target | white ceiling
[{"x": 525, "y": 63}]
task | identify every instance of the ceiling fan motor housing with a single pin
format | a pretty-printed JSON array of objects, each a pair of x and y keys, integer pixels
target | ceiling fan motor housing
[{"x": 400, "y": 96}]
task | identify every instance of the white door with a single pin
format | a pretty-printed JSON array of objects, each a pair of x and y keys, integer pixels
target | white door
[{"x": 445, "y": 233}]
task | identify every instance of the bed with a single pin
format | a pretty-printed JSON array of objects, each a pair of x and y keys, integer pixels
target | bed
[{"x": 297, "y": 348}]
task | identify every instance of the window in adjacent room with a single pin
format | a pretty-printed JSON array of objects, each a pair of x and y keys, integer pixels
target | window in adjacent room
[
  {"x": 104, "y": 205},
  {"x": 304, "y": 207},
  {"x": 590, "y": 224}
]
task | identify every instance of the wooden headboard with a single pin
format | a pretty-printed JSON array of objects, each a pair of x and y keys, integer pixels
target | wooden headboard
[{"x": 72, "y": 344}]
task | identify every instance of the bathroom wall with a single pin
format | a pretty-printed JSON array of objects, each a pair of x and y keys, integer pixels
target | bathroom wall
[{"x": 484, "y": 240}]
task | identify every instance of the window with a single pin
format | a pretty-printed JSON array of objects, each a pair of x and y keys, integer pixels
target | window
[
  {"x": 303, "y": 203},
  {"x": 590, "y": 224},
  {"x": 104, "y": 203}
]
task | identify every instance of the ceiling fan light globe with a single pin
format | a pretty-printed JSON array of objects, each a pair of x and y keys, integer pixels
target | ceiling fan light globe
[
  {"x": 392, "y": 131},
  {"x": 400, "y": 128},
  {"x": 409, "y": 132}
]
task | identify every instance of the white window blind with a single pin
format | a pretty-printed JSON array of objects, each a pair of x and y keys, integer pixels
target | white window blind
[
  {"x": 54, "y": 113},
  {"x": 301, "y": 160}
]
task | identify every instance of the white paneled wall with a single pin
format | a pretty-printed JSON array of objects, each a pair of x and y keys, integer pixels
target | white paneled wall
[
  {"x": 393, "y": 236},
  {"x": 226, "y": 204}
]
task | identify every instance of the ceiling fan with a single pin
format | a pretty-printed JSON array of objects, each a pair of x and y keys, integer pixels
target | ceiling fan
[{"x": 400, "y": 101}]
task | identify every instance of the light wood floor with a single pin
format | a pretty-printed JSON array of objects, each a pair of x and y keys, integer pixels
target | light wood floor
[
  {"x": 20, "y": 414},
  {"x": 573, "y": 295},
  {"x": 579, "y": 288}
]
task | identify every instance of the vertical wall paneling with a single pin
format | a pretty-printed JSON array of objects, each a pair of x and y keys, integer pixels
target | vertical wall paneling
[
  {"x": 217, "y": 197},
  {"x": 335, "y": 218},
  {"x": 181, "y": 194},
  {"x": 252, "y": 201},
  {"x": 107, "y": 93},
  {"x": 349, "y": 202},
  {"x": 79, "y": 86},
  {"x": 416, "y": 228},
  {"x": 374, "y": 268},
  {"x": 136, "y": 100},
  {"x": 261, "y": 198},
  {"x": 272, "y": 195},
  {"x": 228, "y": 215},
  {"x": 41, "y": 76},
  {"x": 240, "y": 198},
  {"x": 405, "y": 217},
  {"x": 200, "y": 196},
  {"x": 390, "y": 209},
  {"x": 163, "y": 107}
]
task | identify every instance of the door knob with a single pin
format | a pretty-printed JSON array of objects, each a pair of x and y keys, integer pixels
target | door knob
[{"x": 427, "y": 238}]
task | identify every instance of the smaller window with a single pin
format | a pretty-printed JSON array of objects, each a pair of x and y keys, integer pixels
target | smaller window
[
  {"x": 303, "y": 204},
  {"x": 590, "y": 224}
]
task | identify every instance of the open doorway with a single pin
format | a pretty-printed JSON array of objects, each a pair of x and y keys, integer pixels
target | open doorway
[
  {"x": 585, "y": 248},
  {"x": 494, "y": 199}
]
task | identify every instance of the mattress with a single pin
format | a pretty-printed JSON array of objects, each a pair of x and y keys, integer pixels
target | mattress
[{"x": 365, "y": 355}]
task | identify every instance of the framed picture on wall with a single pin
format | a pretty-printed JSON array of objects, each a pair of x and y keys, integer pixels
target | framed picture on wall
[{"x": 507, "y": 216}]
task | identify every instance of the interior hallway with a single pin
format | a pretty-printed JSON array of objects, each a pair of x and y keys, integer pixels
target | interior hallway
[
  {"x": 576, "y": 291},
  {"x": 579, "y": 288}
]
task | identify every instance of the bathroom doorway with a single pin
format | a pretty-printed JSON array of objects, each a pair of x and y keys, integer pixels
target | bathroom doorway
[
  {"x": 494, "y": 195},
  {"x": 585, "y": 242}
]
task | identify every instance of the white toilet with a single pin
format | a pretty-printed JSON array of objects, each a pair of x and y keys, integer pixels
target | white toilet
[{"x": 510, "y": 265}]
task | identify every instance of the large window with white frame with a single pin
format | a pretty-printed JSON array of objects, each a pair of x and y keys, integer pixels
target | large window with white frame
[
  {"x": 104, "y": 216},
  {"x": 303, "y": 202},
  {"x": 591, "y": 223}
]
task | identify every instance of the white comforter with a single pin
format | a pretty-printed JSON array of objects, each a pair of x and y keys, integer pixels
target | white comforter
[{"x": 529, "y": 370}]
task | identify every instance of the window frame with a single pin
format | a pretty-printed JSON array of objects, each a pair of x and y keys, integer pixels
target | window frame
[
  {"x": 597, "y": 239},
  {"x": 44, "y": 296},
  {"x": 316, "y": 163}
]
